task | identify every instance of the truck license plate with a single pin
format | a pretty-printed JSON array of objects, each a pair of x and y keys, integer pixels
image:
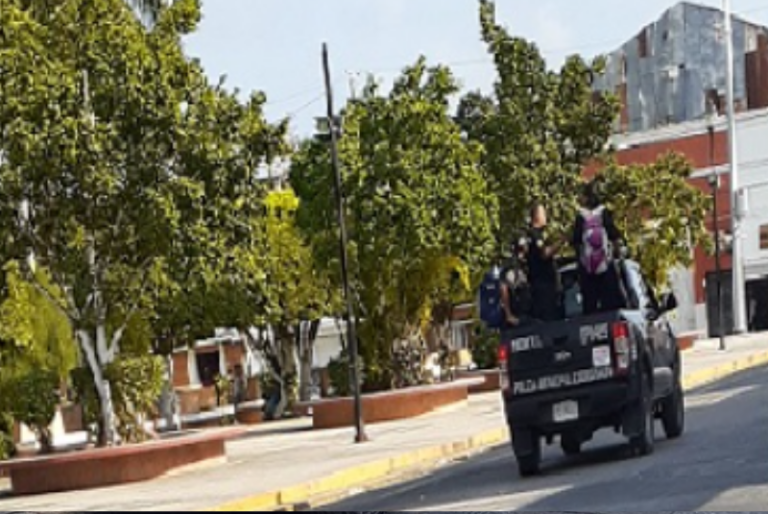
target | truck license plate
[
  {"x": 565, "y": 411},
  {"x": 601, "y": 356}
]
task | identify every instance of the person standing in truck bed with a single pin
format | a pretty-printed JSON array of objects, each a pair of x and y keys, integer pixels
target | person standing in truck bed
[
  {"x": 597, "y": 242},
  {"x": 543, "y": 276}
]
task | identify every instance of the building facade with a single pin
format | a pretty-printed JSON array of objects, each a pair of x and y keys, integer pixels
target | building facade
[
  {"x": 708, "y": 154},
  {"x": 665, "y": 75}
]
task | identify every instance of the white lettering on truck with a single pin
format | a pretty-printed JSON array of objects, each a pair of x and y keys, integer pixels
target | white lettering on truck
[
  {"x": 526, "y": 344},
  {"x": 594, "y": 334},
  {"x": 548, "y": 383}
]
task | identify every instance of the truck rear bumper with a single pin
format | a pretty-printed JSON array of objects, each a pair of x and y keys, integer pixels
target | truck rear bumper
[{"x": 596, "y": 404}]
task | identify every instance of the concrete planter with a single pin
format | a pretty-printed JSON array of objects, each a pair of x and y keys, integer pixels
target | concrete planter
[{"x": 491, "y": 380}]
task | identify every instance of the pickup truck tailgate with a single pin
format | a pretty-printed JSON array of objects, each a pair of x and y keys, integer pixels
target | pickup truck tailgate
[{"x": 550, "y": 356}]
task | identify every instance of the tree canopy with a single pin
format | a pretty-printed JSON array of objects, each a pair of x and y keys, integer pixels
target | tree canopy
[
  {"x": 415, "y": 197},
  {"x": 539, "y": 128},
  {"x": 132, "y": 167}
]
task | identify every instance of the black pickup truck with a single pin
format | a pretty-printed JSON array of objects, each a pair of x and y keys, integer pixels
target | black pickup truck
[{"x": 571, "y": 378}]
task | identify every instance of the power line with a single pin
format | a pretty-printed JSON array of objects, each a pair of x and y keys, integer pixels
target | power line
[
  {"x": 306, "y": 106},
  {"x": 304, "y": 92}
]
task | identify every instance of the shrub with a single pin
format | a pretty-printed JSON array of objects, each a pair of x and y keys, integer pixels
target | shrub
[
  {"x": 485, "y": 348},
  {"x": 224, "y": 388},
  {"x": 34, "y": 403},
  {"x": 339, "y": 374},
  {"x": 7, "y": 446},
  {"x": 137, "y": 383},
  {"x": 87, "y": 397}
]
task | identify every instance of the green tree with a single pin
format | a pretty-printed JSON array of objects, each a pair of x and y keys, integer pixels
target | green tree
[
  {"x": 661, "y": 214},
  {"x": 107, "y": 140},
  {"x": 34, "y": 403},
  {"x": 415, "y": 198},
  {"x": 34, "y": 333},
  {"x": 539, "y": 128},
  {"x": 283, "y": 293}
]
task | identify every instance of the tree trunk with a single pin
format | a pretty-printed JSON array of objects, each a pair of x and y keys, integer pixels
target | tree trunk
[
  {"x": 103, "y": 388},
  {"x": 309, "y": 336},
  {"x": 168, "y": 404},
  {"x": 285, "y": 351}
]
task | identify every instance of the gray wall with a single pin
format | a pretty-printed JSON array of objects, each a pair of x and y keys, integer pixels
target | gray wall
[{"x": 685, "y": 58}]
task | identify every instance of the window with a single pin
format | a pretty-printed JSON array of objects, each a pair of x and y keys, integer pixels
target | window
[
  {"x": 764, "y": 237},
  {"x": 642, "y": 43},
  {"x": 208, "y": 367}
]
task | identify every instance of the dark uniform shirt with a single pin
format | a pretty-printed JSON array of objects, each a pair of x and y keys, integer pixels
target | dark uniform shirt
[{"x": 542, "y": 269}]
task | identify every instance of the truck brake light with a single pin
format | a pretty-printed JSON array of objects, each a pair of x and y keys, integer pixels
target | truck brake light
[
  {"x": 622, "y": 347},
  {"x": 503, "y": 355}
]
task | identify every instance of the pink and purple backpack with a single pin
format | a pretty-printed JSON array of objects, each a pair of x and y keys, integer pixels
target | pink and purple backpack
[{"x": 596, "y": 247}]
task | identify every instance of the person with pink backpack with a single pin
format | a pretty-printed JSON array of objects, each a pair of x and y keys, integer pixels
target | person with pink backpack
[{"x": 598, "y": 242}]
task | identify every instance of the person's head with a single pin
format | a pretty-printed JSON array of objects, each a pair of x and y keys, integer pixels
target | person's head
[
  {"x": 538, "y": 215},
  {"x": 590, "y": 197}
]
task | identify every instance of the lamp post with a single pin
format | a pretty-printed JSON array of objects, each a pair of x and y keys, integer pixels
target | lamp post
[
  {"x": 714, "y": 182},
  {"x": 739, "y": 293},
  {"x": 333, "y": 126}
]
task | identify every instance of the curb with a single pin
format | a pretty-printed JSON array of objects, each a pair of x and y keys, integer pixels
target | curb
[
  {"x": 337, "y": 484},
  {"x": 366, "y": 474},
  {"x": 708, "y": 376}
]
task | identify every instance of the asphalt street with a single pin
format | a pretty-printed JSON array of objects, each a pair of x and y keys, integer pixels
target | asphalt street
[{"x": 720, "y": 464}]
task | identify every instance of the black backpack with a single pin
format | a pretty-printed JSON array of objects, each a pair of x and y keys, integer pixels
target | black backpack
[{"x": 490, "y": 302}]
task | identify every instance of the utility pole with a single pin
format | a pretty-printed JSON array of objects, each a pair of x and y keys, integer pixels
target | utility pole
[
  {"x": 360, "y": 435},
  {"x": 714, "y": 182},
  {"x": 739, "y": 292}
]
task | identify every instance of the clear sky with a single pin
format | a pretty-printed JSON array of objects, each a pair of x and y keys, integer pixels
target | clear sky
[{"x": 274, "y": 45}]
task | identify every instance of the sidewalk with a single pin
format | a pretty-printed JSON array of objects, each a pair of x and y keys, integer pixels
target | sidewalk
[{"x": 280, "y": 458}]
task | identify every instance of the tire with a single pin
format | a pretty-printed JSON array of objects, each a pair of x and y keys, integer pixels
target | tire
[
  {"x": 571, "y": 446},
  {"x": 529, "y": 463},
  {"x": 642, "y": 444},
  {"x": 673, "y": 411}
]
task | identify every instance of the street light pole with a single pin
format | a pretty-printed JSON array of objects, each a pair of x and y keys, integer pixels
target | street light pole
[
  {"x": 360, "y": 435},
  {"x": 739, "y": 293},
  {"x": 714, "y": 181}
]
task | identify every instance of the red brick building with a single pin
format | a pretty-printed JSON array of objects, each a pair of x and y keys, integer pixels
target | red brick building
[{"x": 708, "y": 153}]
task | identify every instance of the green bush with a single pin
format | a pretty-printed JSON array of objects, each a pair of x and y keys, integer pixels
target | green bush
[
  {"x": 485, "y": 348},
  {"x": 34, "y": 403},
  {"x": 7, "y": 446},
  {"x": 87, "y": 397},
  {"x": 338, "y": 372},
  {"x": 137, "y": 383}
]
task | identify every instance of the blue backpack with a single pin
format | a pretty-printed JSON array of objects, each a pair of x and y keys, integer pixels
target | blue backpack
[{"x": 490, "y": 303}]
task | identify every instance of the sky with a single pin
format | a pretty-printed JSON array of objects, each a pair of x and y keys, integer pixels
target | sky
[{"x": 274, "y": 46}]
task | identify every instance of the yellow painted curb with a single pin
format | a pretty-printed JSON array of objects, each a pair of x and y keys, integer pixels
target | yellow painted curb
[
  {"x": 262, "y": 502},
  {"x": 364, "y": 474},
  {"x": 708, "y": 376},
  {"x": 367, "y": 473}
]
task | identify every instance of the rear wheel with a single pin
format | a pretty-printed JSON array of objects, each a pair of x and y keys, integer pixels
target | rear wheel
[
  {"x": 571, "y": 445},
  {"x": 527, "y": 452},
  {"x": 642, "y": 443},
  {"x": 673, "y": 410}
]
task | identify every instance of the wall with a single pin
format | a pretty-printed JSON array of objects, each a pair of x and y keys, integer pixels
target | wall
[
  {"x": 693, "y": 141},
  {"x": 753, "y": 173},
  {"x": 665, "y": 74}
]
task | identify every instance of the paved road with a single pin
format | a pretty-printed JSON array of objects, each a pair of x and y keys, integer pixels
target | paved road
[{"x": 720, "y": 464}]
